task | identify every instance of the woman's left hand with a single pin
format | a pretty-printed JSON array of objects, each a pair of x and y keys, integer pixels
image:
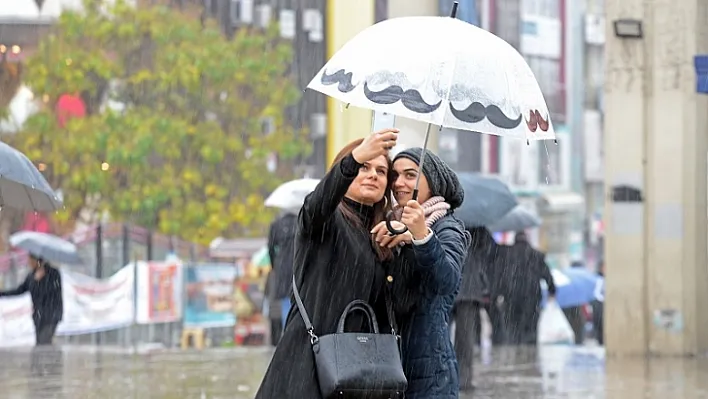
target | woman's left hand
[
  {"x": 386, "y": 239},
  {"x": 414, "y": 218}
]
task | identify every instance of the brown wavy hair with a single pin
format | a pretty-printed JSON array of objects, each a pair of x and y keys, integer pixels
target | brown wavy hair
[{"x": 380, "y": 208}]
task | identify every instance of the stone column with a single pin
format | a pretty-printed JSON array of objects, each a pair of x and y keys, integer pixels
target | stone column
[{"x": 656, "y": 130}]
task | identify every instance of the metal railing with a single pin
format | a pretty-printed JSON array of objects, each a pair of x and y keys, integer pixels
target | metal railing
[{"x": 105, "y": 249}]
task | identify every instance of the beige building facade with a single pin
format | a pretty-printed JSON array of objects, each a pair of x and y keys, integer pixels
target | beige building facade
[{"x": 656, "y": 131}]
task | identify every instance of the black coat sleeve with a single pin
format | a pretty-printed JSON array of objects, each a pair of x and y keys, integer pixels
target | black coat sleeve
[
  {"x": 546, "y": 274},
  {"x": 55, "y": 295},
  {"x": 321, "y": 204},
  {"x": 272, "y": 244},
  {"x": 21, "y": 289},
  {"x": 440, "y": 260}
]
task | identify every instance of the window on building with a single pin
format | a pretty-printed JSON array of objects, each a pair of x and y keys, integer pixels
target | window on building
[
  {"x": 543, "y": 8},
  {"x": 461, "y": 150}
]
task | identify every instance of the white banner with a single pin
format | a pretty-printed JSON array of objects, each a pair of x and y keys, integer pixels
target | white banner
[
  {"x": 92, "y": 305},
  {"x": 159, "y": 292},
  {"x": 16, "y": 326}
]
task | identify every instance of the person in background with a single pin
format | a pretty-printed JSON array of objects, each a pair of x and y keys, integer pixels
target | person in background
[
  {"x": 598, "y": 305},
  {"x": 474, "y": 294},
  {"x": 528, "y": 267},
  {"x": 576, "y": 314},
  {"x": 281, "y": 249},
  {"x": 44, "y": 285}
]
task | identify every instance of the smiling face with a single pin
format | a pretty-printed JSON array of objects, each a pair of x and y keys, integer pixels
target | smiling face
[
  {"x": 404, "y": 182},
  {"x": 370, "y": 184}
]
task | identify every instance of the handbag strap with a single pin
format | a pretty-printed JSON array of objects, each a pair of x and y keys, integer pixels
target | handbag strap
[
  {"x": 303, "y": 313},
  {"x": 389, "y": 311},
  {"x": 311, "y": 330}
]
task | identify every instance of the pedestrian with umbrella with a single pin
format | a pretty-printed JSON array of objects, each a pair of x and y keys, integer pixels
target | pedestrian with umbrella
[
  {"x": 43, "y": 282},
  {"x": 527, "y": 266},
  {"x": 289, "y": 197}
]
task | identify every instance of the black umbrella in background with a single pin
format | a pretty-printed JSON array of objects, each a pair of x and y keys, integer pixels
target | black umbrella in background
[{"x": 487, "y": 200}]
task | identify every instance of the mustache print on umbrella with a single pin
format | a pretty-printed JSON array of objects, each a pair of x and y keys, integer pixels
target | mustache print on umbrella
[
  {"x": 341, "y": 77},
  {"x": 411, "y": 99},
  {"x": 536, "y": 121},
  {"x": 476, "y": 112}
]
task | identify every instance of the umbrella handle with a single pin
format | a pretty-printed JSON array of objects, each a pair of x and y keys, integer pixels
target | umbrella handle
[{"x": 391, "y": 230}]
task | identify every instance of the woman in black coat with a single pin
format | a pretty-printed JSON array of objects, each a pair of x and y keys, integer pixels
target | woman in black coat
[
  {"x": 431, "y": 258},
  {"x": 335, "y": 260}
]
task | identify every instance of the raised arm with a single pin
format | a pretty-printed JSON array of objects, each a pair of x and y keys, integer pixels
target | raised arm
[
  {"x": 439, "y": 257},
  {"x": 320, "y": 204}
]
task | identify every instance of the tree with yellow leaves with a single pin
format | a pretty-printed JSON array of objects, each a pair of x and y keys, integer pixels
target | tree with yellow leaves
[{"x": 173, "y": 138}]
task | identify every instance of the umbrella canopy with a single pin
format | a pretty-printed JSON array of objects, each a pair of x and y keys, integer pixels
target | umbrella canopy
[
  {"x": 518, "y": 219},
  {"x": 415, "y": 67},
  {"x": 575, "y": 286},
  {"x": 291, "y": 195},
  {"x": 46, "y": 246},
  {"x": 22, "y": 186},
  {"x": 487, "y": 200}
]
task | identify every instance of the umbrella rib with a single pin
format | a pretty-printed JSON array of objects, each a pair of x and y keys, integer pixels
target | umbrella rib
[
  {"x": 2, "y": 200},
  {"x": 29, "y": 197}
]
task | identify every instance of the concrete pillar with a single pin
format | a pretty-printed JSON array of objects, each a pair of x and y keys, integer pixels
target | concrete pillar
[{"x": 655, "y": 141}]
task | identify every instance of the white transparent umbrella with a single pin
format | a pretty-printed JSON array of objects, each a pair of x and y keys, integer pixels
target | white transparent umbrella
[
  {"x": 291, "y": 195},
  {"x": 439, "y": 70},
  {"x": 46, "y": 246},
  {"x": 442, "y": 71}
]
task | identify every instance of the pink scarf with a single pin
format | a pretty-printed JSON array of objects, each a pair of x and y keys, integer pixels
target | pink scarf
[{"x": 435, "y": 209}]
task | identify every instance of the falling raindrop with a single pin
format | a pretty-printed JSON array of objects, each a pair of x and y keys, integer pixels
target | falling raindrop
[{"x": 548, "y": 162}]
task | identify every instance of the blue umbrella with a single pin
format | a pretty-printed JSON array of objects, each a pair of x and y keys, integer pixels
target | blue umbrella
[
  {"x": 487, "y": 200},
  {"x": 575, "y": 286},
  {"x": 21, "y": 185},
  {"x": 46, "y": 246}
]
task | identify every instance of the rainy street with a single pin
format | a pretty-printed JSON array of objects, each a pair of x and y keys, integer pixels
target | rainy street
[
  {"x": 558, "y": 372},
  {"x": 431, "y": 199}
]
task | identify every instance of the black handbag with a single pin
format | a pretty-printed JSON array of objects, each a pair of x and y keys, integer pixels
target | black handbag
[{"x": 357, "y": 364}]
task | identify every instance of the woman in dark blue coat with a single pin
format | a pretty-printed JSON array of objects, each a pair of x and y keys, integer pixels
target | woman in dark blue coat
[{"x": 428, "y": 267}]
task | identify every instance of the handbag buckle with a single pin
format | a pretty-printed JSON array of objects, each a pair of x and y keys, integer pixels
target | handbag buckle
[{"x": 313, "y": 338}]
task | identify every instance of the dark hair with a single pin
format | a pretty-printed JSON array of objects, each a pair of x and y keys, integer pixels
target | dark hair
[{"x": 380, "y": 208}]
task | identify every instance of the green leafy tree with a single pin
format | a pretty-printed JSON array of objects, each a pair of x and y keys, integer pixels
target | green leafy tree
[{"x": 184, "y": 152}]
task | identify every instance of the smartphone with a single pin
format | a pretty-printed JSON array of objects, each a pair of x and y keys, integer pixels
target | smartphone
[{"x": 382, "y": 120}]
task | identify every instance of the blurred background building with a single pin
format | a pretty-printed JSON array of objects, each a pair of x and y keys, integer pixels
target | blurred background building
[{"x": 562, "y": 40}]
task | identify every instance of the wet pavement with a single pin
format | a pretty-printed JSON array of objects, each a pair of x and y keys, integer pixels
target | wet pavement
[{"x": 553, "y": 372}]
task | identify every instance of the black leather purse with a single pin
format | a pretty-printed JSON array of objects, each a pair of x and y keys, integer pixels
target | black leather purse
[{"x": 357, "y": 364}]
